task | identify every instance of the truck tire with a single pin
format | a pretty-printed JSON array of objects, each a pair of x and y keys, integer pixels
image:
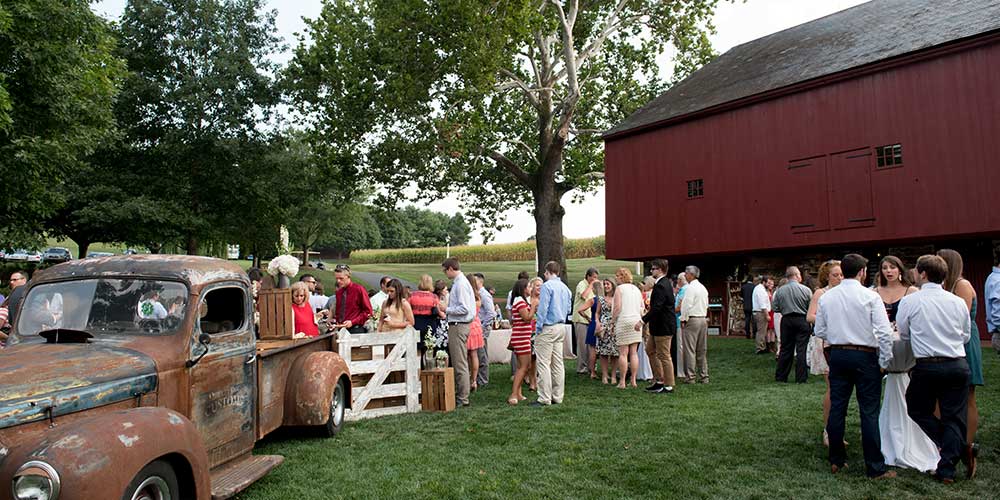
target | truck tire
[
  {"x": 156, "y": 481},
  {"x": 338, "y": 409}
]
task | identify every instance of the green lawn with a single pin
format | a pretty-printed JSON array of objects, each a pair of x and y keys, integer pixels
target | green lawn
[
  {"x": 742, "y": 436},
  {"x": 499, "y": 274}
]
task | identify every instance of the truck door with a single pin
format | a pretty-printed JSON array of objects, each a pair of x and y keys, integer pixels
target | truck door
[{"x": 223, "y": 383}]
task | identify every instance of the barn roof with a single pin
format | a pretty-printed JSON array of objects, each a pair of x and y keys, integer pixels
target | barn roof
[{"x": 865, "y": 34}]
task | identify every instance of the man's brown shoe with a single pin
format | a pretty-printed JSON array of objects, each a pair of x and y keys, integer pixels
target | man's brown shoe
[
  {"x": 834, "y": 468},
  {"x": 886, "y": 475}
]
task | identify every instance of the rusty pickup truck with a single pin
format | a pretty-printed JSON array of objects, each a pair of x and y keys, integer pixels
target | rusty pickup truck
[{"x": 140, "y": 377}]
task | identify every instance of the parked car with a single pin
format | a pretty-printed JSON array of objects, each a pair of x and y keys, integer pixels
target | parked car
[
  {"x": 56, "y": 254},
  {"x": 147, "y": 382},
  {"x": 317, "y": 264},
  {"x": 19, "y": 255},
  {"x": 34, "y": 256},
  {"x": 99, "y": 254}
]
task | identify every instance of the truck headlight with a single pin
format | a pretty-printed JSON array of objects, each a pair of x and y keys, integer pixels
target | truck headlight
[{"x": 36, "y": 480}]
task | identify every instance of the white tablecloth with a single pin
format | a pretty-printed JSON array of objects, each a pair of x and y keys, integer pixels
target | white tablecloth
[{"x": 498, "y": 352}]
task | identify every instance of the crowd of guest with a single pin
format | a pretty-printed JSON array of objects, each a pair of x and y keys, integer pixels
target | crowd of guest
[{"x": 913, "y": 327}]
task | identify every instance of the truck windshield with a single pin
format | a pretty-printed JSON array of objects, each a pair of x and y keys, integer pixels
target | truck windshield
[{"x": 104, "y": 307}]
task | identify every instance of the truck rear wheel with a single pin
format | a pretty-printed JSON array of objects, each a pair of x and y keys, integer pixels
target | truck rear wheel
[
  {"x": 338, "y": 408},
  {"x": 156, "y": 481}
]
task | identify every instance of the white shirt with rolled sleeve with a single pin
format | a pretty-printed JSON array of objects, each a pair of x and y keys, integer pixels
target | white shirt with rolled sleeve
[
  {"x": 761, "y": 301},
  {"x": 850, "y": 314},
  {"x": 936, "y": 322},
  {"x": 695, "y": 301},
  {"x": 461, "y": 301}
]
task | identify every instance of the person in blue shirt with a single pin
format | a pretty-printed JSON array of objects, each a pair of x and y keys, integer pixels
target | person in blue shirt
[
  {"x": 992, "y": 299},
  {"x": 555, "y": 301}
]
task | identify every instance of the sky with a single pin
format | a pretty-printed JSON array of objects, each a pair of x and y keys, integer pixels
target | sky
[{"x": 736, "y": 23}]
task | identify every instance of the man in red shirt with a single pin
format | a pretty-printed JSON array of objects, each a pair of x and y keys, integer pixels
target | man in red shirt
[{"x": 353, "y": 307}]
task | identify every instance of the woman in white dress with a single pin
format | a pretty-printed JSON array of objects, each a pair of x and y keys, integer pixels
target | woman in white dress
[
  {"x": 645, "y": 370},
  {"x": 830, "y": 275},
  {"x": 904, "y": 444},
  {"x": 627, "y": 311}
]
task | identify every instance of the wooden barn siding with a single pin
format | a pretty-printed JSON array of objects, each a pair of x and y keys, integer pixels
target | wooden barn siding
[{"x": 944, "y": 111}]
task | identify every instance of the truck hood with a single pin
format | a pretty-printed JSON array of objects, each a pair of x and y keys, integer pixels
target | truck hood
[{"x": 39, "y": 381}]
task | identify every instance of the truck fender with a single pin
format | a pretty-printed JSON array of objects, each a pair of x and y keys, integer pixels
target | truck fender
[
  {"x": 309, "y": 390},
  {"x": 98, "y": 457}
]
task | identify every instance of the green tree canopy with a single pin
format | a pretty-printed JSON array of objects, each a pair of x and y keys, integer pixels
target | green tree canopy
[
  {"x": 501, "y": 103},
  {"x": 58, "y": 77}
]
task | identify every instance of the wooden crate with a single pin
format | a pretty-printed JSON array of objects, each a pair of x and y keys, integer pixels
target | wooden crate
[
  {"x": 275, "y": 307},
  {"x": 437, "y": 389}
]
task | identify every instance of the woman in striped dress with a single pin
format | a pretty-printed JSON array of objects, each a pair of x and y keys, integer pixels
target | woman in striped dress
[{"x": 521, "y": 315}]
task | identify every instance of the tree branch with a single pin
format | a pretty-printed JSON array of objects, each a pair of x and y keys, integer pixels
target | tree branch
[
  {"x": 511, "y": 168},
  {"x": 515, "y": 81}
]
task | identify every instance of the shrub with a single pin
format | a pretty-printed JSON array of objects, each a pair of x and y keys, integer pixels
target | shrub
[{"x": 575, "y": 249}]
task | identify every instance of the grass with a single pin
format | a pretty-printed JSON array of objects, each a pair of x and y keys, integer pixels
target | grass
[
  {"x": 499, "y": 274},
  {"x": 742, "y": 436}
]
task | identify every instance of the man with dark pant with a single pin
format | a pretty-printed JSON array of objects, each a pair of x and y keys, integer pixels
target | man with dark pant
[
  {"x": 852, "y": 319},
  {"x": 792, "y": 301},
  {"x": 461, "y": 310},
  {"x": 937, "y": 324},
  {"x": 662, "y": 328},
  {"x": 746, "y": 292},
  {"x": 761, "y": 305}
]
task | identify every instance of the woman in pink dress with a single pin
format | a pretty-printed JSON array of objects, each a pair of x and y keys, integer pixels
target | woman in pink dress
[{"x": 475, "y": 337}]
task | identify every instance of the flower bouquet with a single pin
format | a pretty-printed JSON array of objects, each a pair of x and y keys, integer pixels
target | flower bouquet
[
  {"x": 283, "y": 268},
  {"x": 442, "y": 359}
]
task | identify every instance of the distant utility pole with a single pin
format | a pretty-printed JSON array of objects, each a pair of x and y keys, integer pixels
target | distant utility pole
[{"x": 447, "y": 242}]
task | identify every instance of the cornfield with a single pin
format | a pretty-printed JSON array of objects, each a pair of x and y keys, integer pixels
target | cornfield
[{"x": 575, "y": 249}]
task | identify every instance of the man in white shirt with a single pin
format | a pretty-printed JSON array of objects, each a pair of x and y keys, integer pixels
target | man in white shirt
[
  {"x": 581, "y": 295},
  {"x": 937, "y": 324},
  {"x": 378, "y": 300},
  {"x": 461, "y": 310},
  {"x": 852, "y": 319},
  {"x": 761, "y": 309},
  {"x": 694, "y": 327}
]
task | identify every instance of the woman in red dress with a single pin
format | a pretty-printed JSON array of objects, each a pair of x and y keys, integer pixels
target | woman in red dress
[
  {"x": 305, "y": 318},
  {"x": 522, "y": 314}
]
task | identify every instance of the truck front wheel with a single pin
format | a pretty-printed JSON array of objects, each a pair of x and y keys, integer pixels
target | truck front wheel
[
  {"x": 156, "y": 481},
  {"x": 338, "y": 407}
]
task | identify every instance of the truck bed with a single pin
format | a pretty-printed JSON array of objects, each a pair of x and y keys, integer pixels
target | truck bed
[{"x": 274, "y": 363}]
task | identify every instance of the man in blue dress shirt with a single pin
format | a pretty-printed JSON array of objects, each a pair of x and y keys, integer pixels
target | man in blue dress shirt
[
  {"x": 554, "y": 303},
  {"x": 993, "y": 301}
]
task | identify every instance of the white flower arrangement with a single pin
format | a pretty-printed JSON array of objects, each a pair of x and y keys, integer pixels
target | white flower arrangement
[
  {"x": 283, "y": 264},
  {"x": 283, "y": 240}
]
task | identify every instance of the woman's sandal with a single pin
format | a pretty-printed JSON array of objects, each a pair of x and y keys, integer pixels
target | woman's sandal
[{"x": 512, "y": 401}]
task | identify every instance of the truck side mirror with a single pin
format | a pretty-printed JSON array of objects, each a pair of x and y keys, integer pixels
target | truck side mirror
[{"x": 204, "y": 339}]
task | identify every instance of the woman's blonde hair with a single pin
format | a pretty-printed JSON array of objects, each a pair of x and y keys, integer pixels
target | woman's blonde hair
[
  {"x": 623, "y": 275},
  {"x": 824, "y": 272},
  {"x": 426, "y": 283},
  {"x": 300, "y": 285}
]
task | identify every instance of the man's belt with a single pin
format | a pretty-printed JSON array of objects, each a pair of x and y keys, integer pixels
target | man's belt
[
  {"x": 936, "y": 359},
  {"x": 696, "y": 317},
  {"x": 848, "y": 347},
  {"x": 452, "y": 323}
]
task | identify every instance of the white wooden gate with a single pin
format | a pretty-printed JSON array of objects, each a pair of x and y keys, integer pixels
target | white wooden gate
[{"x": 403, "y": 357}]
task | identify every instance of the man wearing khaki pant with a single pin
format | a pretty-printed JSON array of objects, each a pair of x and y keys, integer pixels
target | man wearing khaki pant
[
  {"x": 554, "y": 304},
  {"x": 694, "y": 325},
  {"x": 662, "y": 328},
  {"x": 461, "y": 310},
  {"x": 761, "y": 308}
]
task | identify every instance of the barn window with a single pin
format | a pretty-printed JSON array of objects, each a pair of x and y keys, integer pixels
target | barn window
[
  {"x": 696, "y": 188},
  {"x": 889, "y": 156}
]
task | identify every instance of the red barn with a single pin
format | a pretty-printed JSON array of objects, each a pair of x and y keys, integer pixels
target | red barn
[{"x": 875, "y": 129}]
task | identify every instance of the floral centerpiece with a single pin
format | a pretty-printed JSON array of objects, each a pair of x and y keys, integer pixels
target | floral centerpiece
[
  {"x": 442, "y": 359},
  {"x": 283, "y": 268}
]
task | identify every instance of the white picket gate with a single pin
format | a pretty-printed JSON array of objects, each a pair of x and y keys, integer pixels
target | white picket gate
[{"x": 403, "y": 357}]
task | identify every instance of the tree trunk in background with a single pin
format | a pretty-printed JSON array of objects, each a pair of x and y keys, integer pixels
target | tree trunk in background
[
  {"x": 84, "y": 246},
  {"x": 549, "y": 229},
  {"x": 192, "y": 245}
]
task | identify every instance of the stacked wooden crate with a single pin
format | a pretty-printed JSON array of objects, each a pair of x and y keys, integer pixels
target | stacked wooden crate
[{"x": 275, "y": 307}]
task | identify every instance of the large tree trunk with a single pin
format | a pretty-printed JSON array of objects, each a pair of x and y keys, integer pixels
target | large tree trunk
[
  {"x": 305, "y": 255},
  {"x": 83, "y": 247},
  {"x": 192, "y": 245},
  {"x": 549, "y": 229}
]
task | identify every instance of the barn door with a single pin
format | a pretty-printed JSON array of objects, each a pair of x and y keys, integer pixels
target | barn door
[
  {"x": 851, "y": 189},
  {"x": 808, "y": 197}
]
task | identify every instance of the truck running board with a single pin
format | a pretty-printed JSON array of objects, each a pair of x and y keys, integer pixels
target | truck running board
[{"x": 236, "y": 475}]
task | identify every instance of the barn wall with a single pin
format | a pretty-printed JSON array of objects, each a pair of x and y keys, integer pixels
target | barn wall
[{"x": 777, "y": 173}]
